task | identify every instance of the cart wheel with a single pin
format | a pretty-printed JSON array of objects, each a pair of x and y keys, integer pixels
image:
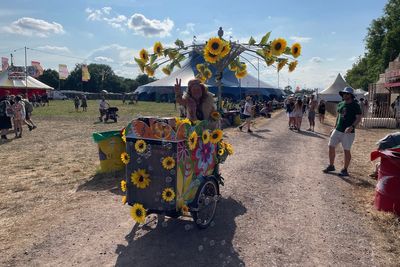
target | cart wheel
[{"x": 206, "y": 202}]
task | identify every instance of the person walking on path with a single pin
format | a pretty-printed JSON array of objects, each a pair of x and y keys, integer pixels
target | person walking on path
[
  {"x": 349, "y": 116},
  {"x": 103, "y": 106},
  {"x": 247, "y": 114},
  {"x": 19, "y": 114},
  {"x": 321, "y": 111},
  {"x": 396, "y": 108},
  {"x": 5, "y": 117},
  {"x": 28, "y": 114},
  {"x": 76, "y": 103},
  {"x": 311, "y": 113},
  {"x": 84, "y": 103},
  {"x": 298, "y": 114}
]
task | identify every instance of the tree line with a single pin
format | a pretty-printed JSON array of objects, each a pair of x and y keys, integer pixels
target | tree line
[
  {"x": 102, "y": 77},
  {"x": 382, "y": 45}
]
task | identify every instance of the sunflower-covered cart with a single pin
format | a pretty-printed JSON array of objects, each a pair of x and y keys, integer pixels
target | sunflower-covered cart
[{"x": 172, "y": 168}]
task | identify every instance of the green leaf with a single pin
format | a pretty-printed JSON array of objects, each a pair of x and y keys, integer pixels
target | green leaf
[
  {"x": 288, "y": 51},
  {"x": 140, "y": 63},
  {"x": 252, "y": 41},
  {"x": 153, "y": 58},
  {"x": 265, "y": 38},
  {"x": 260, "y": 52},
  {"x": 154, "y": 66},
  {"x": 179, "y": 43}
]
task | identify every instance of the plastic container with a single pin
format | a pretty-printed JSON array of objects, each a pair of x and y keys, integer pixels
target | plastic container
[{"x": 111, "y": 147}]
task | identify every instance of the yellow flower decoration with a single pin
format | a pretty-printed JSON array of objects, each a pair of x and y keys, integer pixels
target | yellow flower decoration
[
  {"x": 149, "y": 71},
  {"x": 185, "y": 209},
  {"x": 158, "y": 49},
  {"x": 192, "y": 140},
  {"x": 144, "y": 55},
  {"x": 225, "y": 50},
  {"x": 166, "y": 71},
  {"x": 229, "y": 148},
  {"x": 179, "y": 121},
  {"x": 270, "y": 61},
  {"x": 296, "y": 50},
  {"x": 140, "y": 146},
  {"x": 168, "y": 194},
  {"x": 215, "y": 115},
  {"x": 123, "y": 186},
  {"x": 140, "y": 178},
  {"x": 267, "y": 53},
  {"x": 292, "y": 66},
  {"x": 125, "y": 158},
  {"x": 221, "y": 152},
  {"x": 209, "y": 57},
  {"x": 207, "y": 73},
  {"x": 241, "y": 74},
  {"x": 205, "y": 136},
  {"x": 168, "y": 163},
  {"x": 123, "y": 200},
  {"x": 278, "y": 46},
  {"x": 138, "y": 213},
  {"x": 200, "y": 67},
  {"x": 282, "y": 63},
  {"x": 215, "y": 46},
  {"x": 232, "y": 66},
  {"x": 216, "y": 136}
]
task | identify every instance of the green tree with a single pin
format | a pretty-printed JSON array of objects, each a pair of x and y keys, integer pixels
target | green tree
[{"x": 49, "y": 77}]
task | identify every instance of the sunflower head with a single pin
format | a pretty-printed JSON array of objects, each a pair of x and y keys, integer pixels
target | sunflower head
[
  {"x": 144, "y": 55},
  {"x": 168, "y": 194},
  {"x": 192, "y": 140},
  {"x": 123, "y": 186},
  {"x": 232, "y": 66},
  {"x": 282, "y": 63},
  {"x": 158, "y": 49},
  {"x": 168, "y": 163},
  {"x": 216, "y": 136},
  {"x": 278, "y": 46},
  {"x": 229, "y": 148},
  {"x": 138, "y": 213},
  {"x": 270, "y": 61},
  {"x": 125, "y": 158},
  {"x": 200, "y": 68},
  {"x": 207, "y": 73},
  {"x": 140, "y": 178},
  {"x": 209, "y": 57},
  {"x": 166, "y": 71},
  {"x": 215, "y": 45},
  {"x": 205, "y": 136},
  {"x": 292, "y": 65},
  {"x": 149, "y": 71},
  {"x": 226, "y": 48},
  {"x": 123, "y": 200},
  {"x": 267, "y": 53},
  {"x": 241, "y": 74},
  {"x": 296, "y": 50},
  {"x": 140, "y": 146},
  {"x": 221, "y": 152}
]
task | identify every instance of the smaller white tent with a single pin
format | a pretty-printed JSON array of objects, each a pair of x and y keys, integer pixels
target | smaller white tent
[{"x": 331, "y": 94}]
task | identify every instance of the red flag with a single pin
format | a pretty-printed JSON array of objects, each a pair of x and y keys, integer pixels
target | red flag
[{"x": 4, "y": 63}]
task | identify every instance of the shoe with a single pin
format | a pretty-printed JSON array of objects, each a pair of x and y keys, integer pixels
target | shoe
[
  {"x": 34, "y": 127},
  {"x": 330, "y": 168},
  {"x": 309, "y": 129},
  {"x": 343, "y": 173},
  {"x": 249, "y": 131},
  {"x": 240, "y": 128},
  {"x": 30, "y": 128}
]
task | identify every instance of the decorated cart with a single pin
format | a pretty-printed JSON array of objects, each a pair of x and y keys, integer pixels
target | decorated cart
[{"x": 172, "y": 168}]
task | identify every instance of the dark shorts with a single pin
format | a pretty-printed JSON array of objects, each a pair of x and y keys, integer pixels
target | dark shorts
[
  {"x": 244, "y": 117},
  {"x": 27, "y": 116},
  {"x": 311, "y": 115}
]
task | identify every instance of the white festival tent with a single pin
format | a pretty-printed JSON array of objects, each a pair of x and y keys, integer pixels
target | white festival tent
[{"x": 331, "y": 94}]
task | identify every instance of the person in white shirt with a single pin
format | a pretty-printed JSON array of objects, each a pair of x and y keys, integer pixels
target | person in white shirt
[
  {"x": 247, "y": 114},
  {"x": 103, "y": 106}
]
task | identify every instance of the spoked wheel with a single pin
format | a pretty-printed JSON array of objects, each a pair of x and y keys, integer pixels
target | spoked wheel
[{"x": 206, "y": 201}]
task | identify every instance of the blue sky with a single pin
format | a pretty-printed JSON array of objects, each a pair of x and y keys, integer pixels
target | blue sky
[{"x": 112, "y": 32}]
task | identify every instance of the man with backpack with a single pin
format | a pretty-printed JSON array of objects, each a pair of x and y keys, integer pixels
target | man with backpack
[{"x": 28, "y": 114}]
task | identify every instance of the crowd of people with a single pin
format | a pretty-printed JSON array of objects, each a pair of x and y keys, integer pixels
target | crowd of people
[{"x": 15, "y": 112}]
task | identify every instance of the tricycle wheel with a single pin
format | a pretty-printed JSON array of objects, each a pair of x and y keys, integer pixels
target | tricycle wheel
[{"x": 206, "y": 201}]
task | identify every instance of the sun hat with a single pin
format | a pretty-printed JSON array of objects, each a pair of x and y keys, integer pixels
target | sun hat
[{"x": 347, "y": 90}]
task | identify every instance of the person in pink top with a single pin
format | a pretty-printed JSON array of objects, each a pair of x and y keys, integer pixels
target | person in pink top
[{"x": 19, "y": 114}]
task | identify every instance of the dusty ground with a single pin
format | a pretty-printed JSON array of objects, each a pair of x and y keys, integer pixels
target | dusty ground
[{"x": 277, "y": 207}]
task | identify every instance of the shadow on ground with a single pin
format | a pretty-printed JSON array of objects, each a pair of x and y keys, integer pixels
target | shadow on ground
[
  {"x": 174, "y": 244},
  {"x": 104, "y": 181}
]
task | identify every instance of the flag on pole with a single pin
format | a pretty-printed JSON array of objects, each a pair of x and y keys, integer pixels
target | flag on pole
[
  {"x": 38, "y": 67},
  {"x": 4, "y": 63},
  {"x": 62, "y": 71},
  {"x": 85, "y": 73}
]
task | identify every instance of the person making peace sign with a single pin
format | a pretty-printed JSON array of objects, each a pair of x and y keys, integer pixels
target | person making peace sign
[{"x": 198, "y": 102}]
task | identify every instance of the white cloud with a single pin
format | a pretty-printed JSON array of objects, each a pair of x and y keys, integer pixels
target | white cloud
[
  {"x": 316, "y": 60},
  {"x": 103, "y": 59},
  {"x": 189, "y": 28},
  {"x": 300, "y": 39},
  {"x": 34, "y": 27},
  {"x": 106, "y": 10},
  {"x": 55, "y": 48},
  {"x": 352, "y": 58},
  {"x": 103, "y": 14},
  {"x": 150, "y": 27}
]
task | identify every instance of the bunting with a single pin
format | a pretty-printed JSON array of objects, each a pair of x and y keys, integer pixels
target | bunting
[
  {"x": 63, "y": 71},
  {"x": 85, "y": 73},
  {"x": 4, "y": 63}
]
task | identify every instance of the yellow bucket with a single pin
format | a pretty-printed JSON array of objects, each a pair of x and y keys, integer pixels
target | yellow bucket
[{"x": 111, "y": 147}]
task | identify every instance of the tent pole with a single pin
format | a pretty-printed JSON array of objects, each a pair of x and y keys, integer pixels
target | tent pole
[{"x": 26, "y": 73}]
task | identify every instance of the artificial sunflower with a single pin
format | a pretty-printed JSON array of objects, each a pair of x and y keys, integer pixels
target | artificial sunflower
[
  {"x": 158, "y": 49},
  {"x": 200, "y": 67},
  {"x": 229, "y": 148},
  {"x": 221, "y": 152},
  {"x": 282, "y": 63},
  {"x": 232, "y": 66},
  {"x": 140, "y": 178},
  {"x": 123, "y": 186},
  {"x": 241, "y": 74},
  {"x": 144, "y": 55},
  {"x": 192, "y": 140},
  {"x": 270, "y": 61},
  {"x": 226, "y": 48},
  {"x": 166, "y": 71},
  {"x": 292, "y": 66},
  {"x": 207, "y": 73},
  {"x": 123, "y": 138},
  {"x": 216, "y": 136},
  {"x": 185, "y": 209},
  {"x": 267, "y": 53},
  {"x": 168, "y": 163},
  {"x": 209, "y": 57},
  {"x": 138, "y": 213},
  {"x": 296, "y": 50},
  {"x": 168, "y": 194},
  {"x": 123, "y": 200},
  {"x": 202, "y": 78},
  {"x": 149, "y": 71},
  {"x": 179, "y": 121},
  {"x": 205, "y": 136},
  {"x": 215, "y": 46},
  {"x": 215, "y": 115},
  {"x": 125, "y": 158},
  {"x": 278, "y": 46},
  {"x": 140, "y": 146}
]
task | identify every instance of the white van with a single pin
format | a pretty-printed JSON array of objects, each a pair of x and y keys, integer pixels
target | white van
[{"x": 57, "y": 95}]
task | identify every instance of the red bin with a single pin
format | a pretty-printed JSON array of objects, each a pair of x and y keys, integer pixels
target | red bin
[{"x": 387, "y": 196}]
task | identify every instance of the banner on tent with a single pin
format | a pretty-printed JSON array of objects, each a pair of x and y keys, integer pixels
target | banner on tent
[
  {"x": 4, "y": 63},
  {"x": 16, "y": 73},
  {"x": 62, "y": 71},
  {"x": 85, "y": 73},
  {"x": 38, "y": 69}
]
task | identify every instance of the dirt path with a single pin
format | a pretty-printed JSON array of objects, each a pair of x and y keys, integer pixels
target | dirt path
[{"x": 277, "y": 209}]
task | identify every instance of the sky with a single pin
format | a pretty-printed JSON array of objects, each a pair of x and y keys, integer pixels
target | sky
[{"x": 113, "y": 32}]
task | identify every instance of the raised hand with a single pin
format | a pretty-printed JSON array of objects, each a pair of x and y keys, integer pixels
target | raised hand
[{"x": 178, "y": 87}]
